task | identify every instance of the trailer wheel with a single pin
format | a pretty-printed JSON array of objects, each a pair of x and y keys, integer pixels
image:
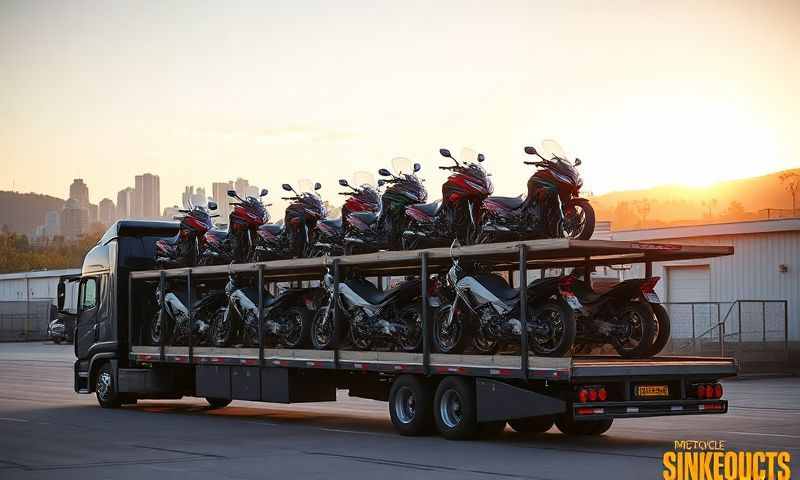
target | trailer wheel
[
  {"x": 105, "y": 388},
  {"x": 218, "y": 402},
  {"x": 539, "y": 424},
  {"x": 663, "y": 327},
  {"x": 411, "y": 406},
  {"x": 640, "y": 323},
  {"x": 455, "y": 409},
  {"x": 567, "y": 425}
]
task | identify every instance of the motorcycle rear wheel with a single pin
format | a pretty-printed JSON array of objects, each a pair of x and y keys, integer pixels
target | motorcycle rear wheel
[
  {"x": 641, "y": 325},
  {"x": 298, "y": 326},
  {"x": 411, "y": 340},
  {"x": 560, "y": 326},
  {"x": 663, "y": 327}
]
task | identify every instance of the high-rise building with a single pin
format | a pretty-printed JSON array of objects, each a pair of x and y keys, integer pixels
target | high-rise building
[
  {"x": 80, "y": 192},
  {"x": 244, "y": 189},
  {"x": 94, "y": 213},
  {"x": 193, "y": 196},
  {"x": 74, "y": 220},
  {"x": 219, "y": 192},
  {"x": 147, "y": 196},
  {"x": 52, "y": 224},
  {"x": 170, "y": 212},
  {"x": 125, "y": 203},
  {"x": 107, "y": 213}
]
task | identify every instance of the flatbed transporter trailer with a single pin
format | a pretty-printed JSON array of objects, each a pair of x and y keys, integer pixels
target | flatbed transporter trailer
[{"x": 461, "y": 395}]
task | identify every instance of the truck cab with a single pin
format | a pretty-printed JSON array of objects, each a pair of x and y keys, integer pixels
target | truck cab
[{"x": 101, "y": 333}]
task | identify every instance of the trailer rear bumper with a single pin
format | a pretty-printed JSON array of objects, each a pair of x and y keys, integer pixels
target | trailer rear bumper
[{"x": 661, "y": 408}]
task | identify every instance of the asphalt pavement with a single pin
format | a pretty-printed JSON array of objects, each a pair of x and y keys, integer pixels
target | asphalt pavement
[{"x": 48, "y": 431}]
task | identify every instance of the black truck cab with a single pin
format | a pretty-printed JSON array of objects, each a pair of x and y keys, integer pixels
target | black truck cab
[{"x": 101, "y": 326}]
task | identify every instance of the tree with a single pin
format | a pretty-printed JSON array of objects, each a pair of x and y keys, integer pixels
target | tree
[
  {"x": 735, "y": 210},
  {"x": 643, "y": 208},
  {"x": 791, "y": 180}
]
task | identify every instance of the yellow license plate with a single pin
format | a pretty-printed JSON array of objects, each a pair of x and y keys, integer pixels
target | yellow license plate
[{"x": 652, "y": 391}]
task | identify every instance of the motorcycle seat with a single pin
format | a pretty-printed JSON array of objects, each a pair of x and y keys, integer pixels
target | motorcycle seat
[
  {"x": 497, "y": 285},
  {"x": 272, "y": 228},
  {"x": 584, "y": 293},
  {"x": 512, "y": 203},
  {"x": 335, "y": 223},
  {"x": 367, "y": 218},
  {"x": 429, "y": 209},
  {"x": 370, "y": 292}
]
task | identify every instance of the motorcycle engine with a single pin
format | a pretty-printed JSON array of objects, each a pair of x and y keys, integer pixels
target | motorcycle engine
[{"x": 490, "y": 320}]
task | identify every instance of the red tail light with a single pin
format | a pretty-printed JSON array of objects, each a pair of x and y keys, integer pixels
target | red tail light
[
  {"x": 718, "y": 390},
  {"x": 583, "y": 395},
  {"x": 602, "y": 394},
  {"x": 592, "y": 394},
  {"x": 708, "y": 391},
  {"x": 701, "y": 391},
  {"x": 649, "y": 284}
]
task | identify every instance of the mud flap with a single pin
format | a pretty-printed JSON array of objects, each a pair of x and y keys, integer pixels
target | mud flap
[{"x": 501, "y": 401}]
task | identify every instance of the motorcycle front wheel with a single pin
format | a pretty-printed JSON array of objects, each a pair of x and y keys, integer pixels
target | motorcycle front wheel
[
  {"x": 159, "y": 328},
  {"x": 552, "y": 331},
  {"x": 221, "y": 330},
  {"x": 324, "y": 331},
  {"x": 448, "y": 338},
  {"x": 579, "y": 219}
]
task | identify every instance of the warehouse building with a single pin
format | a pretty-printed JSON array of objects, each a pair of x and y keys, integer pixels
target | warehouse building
[{"x": 28, "y": 301}]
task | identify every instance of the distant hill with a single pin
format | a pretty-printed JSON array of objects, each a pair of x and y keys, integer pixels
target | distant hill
[
  {"x": 666, "y": 205},
  {"x": 23, "y": 212}
]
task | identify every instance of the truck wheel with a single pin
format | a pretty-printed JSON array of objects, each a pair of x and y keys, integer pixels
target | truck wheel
[
  {"x": 532, "y": 424},
  {"x": 640, "y": 330},
  {"x": 567, "y": 425},
  {"x": 411, "y": 406},
  {"x": 663, "y": 327},
  {"x": 455, "y": 409},
  {"x": 106, "y": 389},
  {"x": 218, "y": 402}
]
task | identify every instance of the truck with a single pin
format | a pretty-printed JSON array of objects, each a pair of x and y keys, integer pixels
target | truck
[{"x": 460, "y": 396}]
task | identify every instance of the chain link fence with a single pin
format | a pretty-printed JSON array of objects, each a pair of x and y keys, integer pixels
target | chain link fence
[{"x": 25, "y": 320}]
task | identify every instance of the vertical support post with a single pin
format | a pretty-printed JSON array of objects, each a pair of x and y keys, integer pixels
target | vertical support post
[
  {"x": 764, "y": 322},
  {"x": 189, "y": 303},
  {"x": 720, "y": 331},
  {"x": 739, "y": 302},
  {"x": 693, "y": 330},
  {"x": 543, "y": 271},
  {"x": 426, "y": 324},
  {"x": 162, "y": 287},
  {"x": 523, "y": 308},
  {"x": 786, "y": 329},
  {"x": 130, "y": 317},
  {"x": 335, "y": 306},
  {"x": 648, "y": 269},
  {"x": 380, "y": 283},
  {"x": 587, "y": 271},
  {"x": 28, "y": 305},
  {"x": 260, "y": 283}
]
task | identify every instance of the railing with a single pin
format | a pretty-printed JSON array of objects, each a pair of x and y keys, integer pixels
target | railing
[{"x": 749, "y": 330}]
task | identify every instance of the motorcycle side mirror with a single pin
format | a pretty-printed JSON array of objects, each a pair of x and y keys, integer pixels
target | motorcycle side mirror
[
  {"x": 317, "y": 186},
  {"x": 417, "y": 167},
  {"x": 343, "y": 182},
  {"x": 264, "y": 192},
  {"x": 531, "y": 151},
  {"x": 381, "y": 182},
  {"x": 212, "y": 205},
  {"x": 232, "y": 193},
  {"x": 577, "y": 162},
  {"x": 287, "y": 187},
  {"x": 481, "y": 157},
  {"x": 384, "y": 172},
  {"x": 445, "y": 153}
]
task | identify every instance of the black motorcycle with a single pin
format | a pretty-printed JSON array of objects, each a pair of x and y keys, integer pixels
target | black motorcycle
[
  {"x": 628, "y": 316},
  {"x": 480, "y": 311},
  {"x": 183, "y": 250},
  {"x": 173, "y": 321},
  {"x": 293, "y": 238},
  {"x": 369, "y": 317},
  {"x": 552, "y": 209},
  {"x": 383, "y": 229},
  {"x": 286, "y": 316},
  {"x": 328, "y": 238}
]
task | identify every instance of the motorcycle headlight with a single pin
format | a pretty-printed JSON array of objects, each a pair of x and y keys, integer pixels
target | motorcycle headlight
[{"x": 328, "y": 280}]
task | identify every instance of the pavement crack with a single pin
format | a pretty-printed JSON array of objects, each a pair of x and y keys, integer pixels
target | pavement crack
[{"x": 185, "y": 452}]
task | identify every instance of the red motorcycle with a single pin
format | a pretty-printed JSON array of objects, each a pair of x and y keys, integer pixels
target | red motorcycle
[
  {"x": 235, "y": 244},
  {"x": 183, "y": 250},
  {"x": 457, "y": 215},
  {"x": 552, "y": 209}
]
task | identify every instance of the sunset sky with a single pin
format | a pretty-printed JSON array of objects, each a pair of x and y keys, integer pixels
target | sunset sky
[{"x": 645, "y": 93}]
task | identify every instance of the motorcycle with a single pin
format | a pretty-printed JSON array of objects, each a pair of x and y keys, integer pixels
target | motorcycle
[
  {"x": 235, "y": 244},
  {"x": 383, "y": 229},
  {"x": 173, "y": 321},
  {"x": 183, "y": 250},
  {"x": 369, "y": 317},
  {"x": 329, "y": 234},
  {"x": 286, "y": 316},
  {"x": 457, "y": 215},
  {"x": 481, "y": 312},
  {"x": 552, "y": 209},
  {"x": 292, "y": 239},
  {"x": 628, "y": 316}
]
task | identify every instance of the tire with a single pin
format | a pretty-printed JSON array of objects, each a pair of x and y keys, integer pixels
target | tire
[
  {"x": 449, "y": 340},
  {"x": 532, "y": 424},
  {"x": 568, "y": 426},
  {"x": 215, "y": 403},
  {"x": 57, "y": 341},
  {"x": 455, "y": 409},
  {"x": 589, "y": 219},
  {"x": 556, "y": 335},
  {"x": 299, "y": 336},
  {"x": 663, "y": 327},
  {"x": 411, "y": 342},
  {"x": 159, "y": 327},
  {"x": 644, "y": 326},
  {"x": 106, "y": 387},
  {"x": 220, "y": 333},
  {"x": 411, "y": 406},
  {"x": 327, "y": 338}
]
